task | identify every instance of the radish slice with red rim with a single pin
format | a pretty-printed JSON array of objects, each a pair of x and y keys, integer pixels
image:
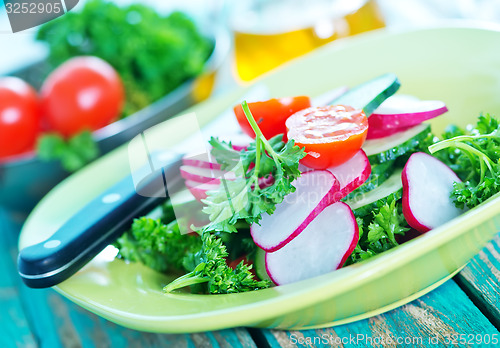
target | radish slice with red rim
[
  {"x": 323, "y": 246},
  {"x": 427, "y": 185},
  {"x": 199, "y": 190},
  {"x": 377, "y": 133},
  {"x": 200, "y": 160},
  {"x": 313, "y": 193},
  {"x": 238, "y": 141},
  {"x": 404, "y": 112},
  {"x": 205, "y": 175},
  {"x": 205, "y": 160},
  {"x": 351, "y": 174}
]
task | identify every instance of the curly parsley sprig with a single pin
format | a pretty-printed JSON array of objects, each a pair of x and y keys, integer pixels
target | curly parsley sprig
[
  {"x": 213, "y": 270},
  {"x": 476, "y": 157},
  {"x": 377, "y": 231},
  {"x": 159, "y": 246}
]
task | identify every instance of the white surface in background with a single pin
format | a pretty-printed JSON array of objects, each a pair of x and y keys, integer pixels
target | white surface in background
[
  {"x": 419, "y": 13},
  {"x": 17, "y": 50}
]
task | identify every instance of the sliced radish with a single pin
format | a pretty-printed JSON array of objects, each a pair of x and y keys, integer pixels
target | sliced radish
[
  {"x": 266, "y": 181},
  {"x": 313, "y": 193},
  {"x": 199, "y": 190},
  {"x": 304, "y": 169},
  {"x": 427, "y": 184},
  {"x": 377, "y": 133},
  {"x": 205, "y": 175},
  {"x": 203, "y": 160},
  {"x": 404, "y": 112},
  {"x": 238, "y": 141},
  {"x": 351, "y": 174},
  {"x": 323, "y": 246}
]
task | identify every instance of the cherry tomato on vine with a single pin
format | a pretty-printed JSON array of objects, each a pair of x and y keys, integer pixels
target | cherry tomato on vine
[
  {"x": 19, "y": 116},
  {"x": 84, "y": 93},
  {"x": 330, "y": 134},
  {"x": 271, "y": 114}
]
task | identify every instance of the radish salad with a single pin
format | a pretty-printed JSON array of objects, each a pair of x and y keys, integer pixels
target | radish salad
[{"x": 343, "y": 183}]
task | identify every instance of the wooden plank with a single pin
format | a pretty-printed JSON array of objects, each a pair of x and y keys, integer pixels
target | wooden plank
[
  {"x": 14, "y": 329},
  {"x": 480, "y": 279},
  {"x": 58, "y": 323},
  {"x": 432, "y": 320},
  {"x": 68, "y": 325}
]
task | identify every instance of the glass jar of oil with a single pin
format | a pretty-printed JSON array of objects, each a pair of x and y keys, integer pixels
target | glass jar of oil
[{"x": 268, "y": 33}]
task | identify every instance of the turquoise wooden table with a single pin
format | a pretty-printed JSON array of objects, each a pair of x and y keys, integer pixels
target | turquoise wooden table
[{"x": 463, "y": 312}]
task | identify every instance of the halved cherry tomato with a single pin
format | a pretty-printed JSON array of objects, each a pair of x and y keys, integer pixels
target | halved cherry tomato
[
  {"x": 330, "y": 134},
  {"x": 19, "y": 116},
  {"x": 83, "y": 93},
  {"x": 271, "y": 114}
]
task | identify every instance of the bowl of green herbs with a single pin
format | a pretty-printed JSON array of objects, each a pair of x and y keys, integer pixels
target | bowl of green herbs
[{"x": 166, "y": 63}]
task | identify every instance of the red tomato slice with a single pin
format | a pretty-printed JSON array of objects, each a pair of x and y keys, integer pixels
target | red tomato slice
[
  {"x": 330, "y": 134},
  {"x": 19, "y": 116},
  {"x": 271, "y": 114},
  {"x": 83, "y": 93}
]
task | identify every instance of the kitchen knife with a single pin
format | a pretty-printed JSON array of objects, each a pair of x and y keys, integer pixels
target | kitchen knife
[{"x": 95, "y": 226}]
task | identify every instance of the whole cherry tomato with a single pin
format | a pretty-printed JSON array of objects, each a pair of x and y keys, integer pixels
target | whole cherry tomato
[
  {"x": 19, "y": 116},
  {"x": 271, "y": 114},
  {"x": 84, "y": 93},
  {"x": 331, "y": 134}
]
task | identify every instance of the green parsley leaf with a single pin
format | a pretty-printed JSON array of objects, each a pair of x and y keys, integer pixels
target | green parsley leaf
[
  {"x": 156, "y": 245},
  {"x": 213, "y": 270},
  {"x": 73, "y": 153},
  {"x": 384, "y": 224},
  {"x": 474, "y": 154}
]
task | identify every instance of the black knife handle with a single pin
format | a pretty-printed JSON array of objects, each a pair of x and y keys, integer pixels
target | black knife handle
[{"x": 94, "y": 227}]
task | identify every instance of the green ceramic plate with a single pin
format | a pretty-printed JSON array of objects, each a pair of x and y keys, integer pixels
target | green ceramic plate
[{"x": 458, "y": 65}]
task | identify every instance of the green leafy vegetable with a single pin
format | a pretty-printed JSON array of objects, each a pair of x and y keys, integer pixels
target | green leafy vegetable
[
  {"x": 157, "y": 245},
  {"x": 152, "y": 54},
  {"x": 475, "y": 156},
  {"x": 384, "y": 224},
  {"x": 241, "y": 200},
  {"x": 73, "y": 153},
  {"x": 212, "y": 269}
]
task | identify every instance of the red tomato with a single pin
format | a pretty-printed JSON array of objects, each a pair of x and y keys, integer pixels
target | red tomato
[
  {"x": 19, "y": 116},
  {"x": 83, "y": 93},
  {"x": 330, "y": 134},
  {"x": 271, "y": 114}
]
